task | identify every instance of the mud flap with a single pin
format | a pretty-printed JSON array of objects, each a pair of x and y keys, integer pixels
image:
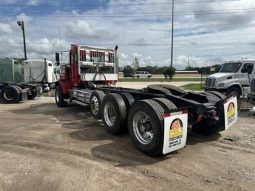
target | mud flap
[
  {"x": 175, "y": 131},
  {"x": 230, "y": 112}
]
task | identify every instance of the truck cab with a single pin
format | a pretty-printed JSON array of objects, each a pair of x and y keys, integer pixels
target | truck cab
[
  {"x": 251, "y": 95},
  {"x": 234, "y": 77},
  {"x": 40, "y": 71}
]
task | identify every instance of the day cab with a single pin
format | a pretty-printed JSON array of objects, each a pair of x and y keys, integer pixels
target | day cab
[{"x": 234, "y": 77}]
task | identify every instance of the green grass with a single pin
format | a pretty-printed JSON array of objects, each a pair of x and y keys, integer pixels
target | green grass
[
  {"x": 193, "y": 87},
  {"x": 159, "y": 80}
]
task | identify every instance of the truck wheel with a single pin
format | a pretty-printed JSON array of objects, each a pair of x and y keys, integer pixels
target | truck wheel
[
  {"x": 114, "y": 113},
  {"x": 145, "y": 125},
  {"x": 128, "y": 98},
  {"x": 59, "y": 97},
  {"x": 215, "y": 94},
  {"x": 10, "y": 94},
  {"x": 234, "y": 90},
  {"x": 32, "y": 93},
  {"x": 166, "y": 104},
  {"x": 96, "y": 99}
]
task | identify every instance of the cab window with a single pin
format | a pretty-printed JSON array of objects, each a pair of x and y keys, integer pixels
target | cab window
[{"x": 247, "y": 68}]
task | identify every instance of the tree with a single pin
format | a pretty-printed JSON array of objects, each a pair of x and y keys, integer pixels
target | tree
[
  {"x": 169, "y": 72},
  {"x": 128, "y": 69}
]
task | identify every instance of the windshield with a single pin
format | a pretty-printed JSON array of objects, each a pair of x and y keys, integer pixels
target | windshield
[{"x": 230, "y": 67}]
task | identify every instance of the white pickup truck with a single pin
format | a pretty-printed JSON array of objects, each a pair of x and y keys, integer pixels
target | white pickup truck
[{"x": 234, "y": 77}]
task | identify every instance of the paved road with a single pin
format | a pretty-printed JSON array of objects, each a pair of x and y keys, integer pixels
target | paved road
[{"x": 43, "y": 147}]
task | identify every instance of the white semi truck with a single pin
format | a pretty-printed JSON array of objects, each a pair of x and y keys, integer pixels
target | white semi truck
[
  {"x": 234, "y": 77},
  {"x": 27, "y": 80}
]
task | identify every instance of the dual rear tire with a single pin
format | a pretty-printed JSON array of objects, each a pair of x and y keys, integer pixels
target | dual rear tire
[
  {"x": 144, "y": 120},
  {"x": 11, "y": 94},
  {"x": 146, "y": 124}
]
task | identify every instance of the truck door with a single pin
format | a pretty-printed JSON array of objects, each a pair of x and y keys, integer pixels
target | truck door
[
  {"x": 74, "y": 62},
  {"x": 246, "y": 74}
]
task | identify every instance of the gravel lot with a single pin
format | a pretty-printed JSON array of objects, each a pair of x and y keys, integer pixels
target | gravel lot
[{"x": 43, "y": 147}]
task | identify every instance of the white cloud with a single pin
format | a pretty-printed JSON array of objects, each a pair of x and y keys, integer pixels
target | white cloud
[
  {"x": 34, "y": 2},
  {"x": 24, "y": 17},
  {"x": 5, "y": 28},
  {"x": 203, "y": 38},
  {"x": 82, "y": 29}
]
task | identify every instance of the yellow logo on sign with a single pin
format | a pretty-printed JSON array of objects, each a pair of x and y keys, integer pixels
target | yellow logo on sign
[
  {"x": 176, "y": 129},
  {"x": 231, "y": 110}
]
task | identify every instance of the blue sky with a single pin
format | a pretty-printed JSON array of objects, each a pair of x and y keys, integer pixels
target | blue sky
[{"x": 206, "y": 32}]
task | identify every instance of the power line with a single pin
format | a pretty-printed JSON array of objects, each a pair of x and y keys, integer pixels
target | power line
[
  {"x": 216, "y": 12},
  {"x": 135, "y": 44},
  {"x": 130, "y": 4}
]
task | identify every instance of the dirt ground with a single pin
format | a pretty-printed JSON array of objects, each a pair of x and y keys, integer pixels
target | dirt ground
[{"x": 43, "y": 147}]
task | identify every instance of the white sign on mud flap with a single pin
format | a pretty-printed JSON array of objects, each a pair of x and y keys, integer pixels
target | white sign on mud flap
[
  {"x": 175, "y": 131},
  {"x": 230, "y": 111}
]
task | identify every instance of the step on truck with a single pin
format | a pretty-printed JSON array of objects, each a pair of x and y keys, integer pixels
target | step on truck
[{"x": 157, "y": 117}]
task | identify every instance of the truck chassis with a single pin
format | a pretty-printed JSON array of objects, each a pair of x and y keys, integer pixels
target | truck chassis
[
  {"x": 17, "y": 92},
  {"x": 157, "y": 117},
  {"x": 142, "y": 111}
]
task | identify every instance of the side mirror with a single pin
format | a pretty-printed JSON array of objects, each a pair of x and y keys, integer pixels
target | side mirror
[
  {"x": 116, "y": 48},
  {"x": 249, "y": 70},
  {"x": 57, "y": 59}
]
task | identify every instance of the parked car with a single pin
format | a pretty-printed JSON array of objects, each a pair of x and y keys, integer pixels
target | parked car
[
  {"x": 142, "y": 74},
  {"x": 128, "y": 75}
]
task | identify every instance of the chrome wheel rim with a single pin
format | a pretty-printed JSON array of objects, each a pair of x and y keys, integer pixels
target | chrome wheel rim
[
  {"x": 143, "y": 128},
  {"x": 94, "y": 105},
  {"x": 109, "y": 114},
  {"x": 8, "y": 95}
]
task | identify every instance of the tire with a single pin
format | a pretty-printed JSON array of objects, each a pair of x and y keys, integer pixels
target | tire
[
  {"x": 216, "y": 94},
  {"x": 96, "y": 99},
  {"x": 213, "y": 96},
  {"x": 129, "y": 99},
  {"x": 152, "y": 111},
  {"x": 59, "y": 97},
  {"x": 114, "y": 113},
  {"x": 234, "y": 90},
  {"x": 166, "y": 104},
  {"x": 32, "y": 93},
  {"x": 10, "y": 94}
]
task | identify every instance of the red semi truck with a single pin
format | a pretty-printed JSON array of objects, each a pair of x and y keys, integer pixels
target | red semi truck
[{"x": 157, "y": 117}]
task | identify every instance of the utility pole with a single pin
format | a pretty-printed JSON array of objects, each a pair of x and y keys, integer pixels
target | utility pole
[
  {"x": 21, "y": 24},
  {"x": 172, "y": 43}
]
